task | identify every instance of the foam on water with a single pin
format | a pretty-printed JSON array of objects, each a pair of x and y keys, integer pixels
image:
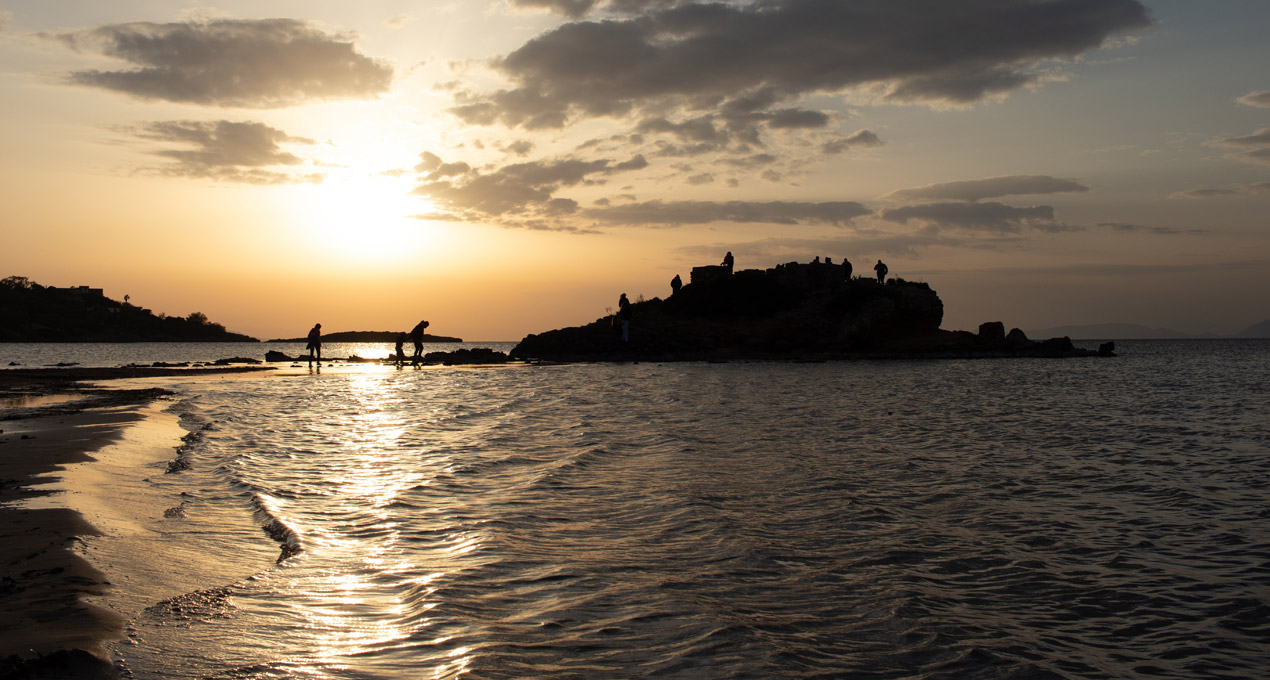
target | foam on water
[{"x": 1077, "y": 518}]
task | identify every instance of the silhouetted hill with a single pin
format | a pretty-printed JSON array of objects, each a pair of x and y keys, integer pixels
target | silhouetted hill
[
  {"x": 30, "y": 312},
  {"x": 368, "y": 336},
  {"x": 793, "y": 311},
  {"x": 1111, "y": 331},
  {"x": 1257, "y": 330}
]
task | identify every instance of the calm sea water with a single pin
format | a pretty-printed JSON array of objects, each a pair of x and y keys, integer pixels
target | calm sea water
[{"x": 1080, "y": 518}]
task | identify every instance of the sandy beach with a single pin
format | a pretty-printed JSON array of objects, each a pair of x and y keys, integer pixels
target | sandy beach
[{"x": 50, "y": 418}]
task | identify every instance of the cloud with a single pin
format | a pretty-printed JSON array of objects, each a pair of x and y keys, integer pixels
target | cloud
[
  {"x": 994, "y": 187},
  {"x": 994, "y": 218},
  {"x": 1259, "y": 99},
  {"x": 266, "y": 63},
  {"x": 1129, "y": 228},
  {"x": 1240, "y": 190},
  {"x": 225, "y": 150},
  {"x": 575, "y": 9},
  {"x": 1259, "y": 139},
  {"x": 6, "y": 20},
  {"x": 679, "y": 213},
  {"x": 517, "y": 192},
  {"x": 704, "y": 57},
  {"x": 860, "y": 138}
]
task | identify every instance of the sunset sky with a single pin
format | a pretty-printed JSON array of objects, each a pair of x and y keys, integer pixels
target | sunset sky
[{"x": 502, "y": 167}]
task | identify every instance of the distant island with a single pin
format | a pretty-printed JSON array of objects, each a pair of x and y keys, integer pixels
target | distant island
[
  {"x": 797, "y": 311},
  {"x": 30, "y": 312},
  {"x": 368, "y": 336}
]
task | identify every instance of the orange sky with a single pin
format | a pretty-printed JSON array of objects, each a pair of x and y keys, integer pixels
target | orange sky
[{"x": 508, "y": 167}]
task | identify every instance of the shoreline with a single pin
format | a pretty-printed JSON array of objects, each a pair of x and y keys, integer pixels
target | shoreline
[{"x": 51, "y": 418}]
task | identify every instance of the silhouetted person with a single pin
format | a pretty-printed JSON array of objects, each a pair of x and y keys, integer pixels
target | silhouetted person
[
  {"x": 315, "y": 342},
  {"x": 815, "y": 260},
  {"x": 624, "y": 317},
  {"x": 881, "y": 269},
  {"x": 675, "y": 284},
  {"x": 846, "y": 269},
  {"x": 399, "y": 347},
  {"x": 416, "y": 336},
  {"x": 828, "y": 260},
  {"x": 727, "y": 261}
]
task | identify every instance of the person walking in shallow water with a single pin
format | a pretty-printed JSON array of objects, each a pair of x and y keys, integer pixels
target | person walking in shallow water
[
  {"x": 881, "y": 269},
  {"x": 416, "y": 336},
  {"x": 315, "y": 342},
  {"x": 401, "y": 354}
]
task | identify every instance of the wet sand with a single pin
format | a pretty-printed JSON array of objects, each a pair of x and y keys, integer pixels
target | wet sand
[{"x": 50, "y": 418}]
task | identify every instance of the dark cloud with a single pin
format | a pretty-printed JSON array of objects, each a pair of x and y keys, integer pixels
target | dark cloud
[
  {"x": 225, "y": 150},
  {"x": 797, "y": 118},
  {"x": 1259, "y": 99},
  {"x": 265, "y": 63},
  {"x": 1129, "y": 228},
  {"x": 704, "y": 57},
  {"x": 994, "y": 187},
  {"x": 522, "y": 191},
  {"x": 678, "y": 213},
  {"x": 860, "y": 138},
  {"x": 1259, "y": 138},
  {"x": 1241, "y": 190},
  {"x": 994, "y": 218}
]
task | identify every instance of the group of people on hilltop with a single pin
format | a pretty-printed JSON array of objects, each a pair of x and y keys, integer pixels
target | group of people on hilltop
[{"x": 416, "y": 334}]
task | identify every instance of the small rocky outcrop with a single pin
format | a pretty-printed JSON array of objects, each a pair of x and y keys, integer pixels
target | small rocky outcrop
[{"x": 793, "y": 311}]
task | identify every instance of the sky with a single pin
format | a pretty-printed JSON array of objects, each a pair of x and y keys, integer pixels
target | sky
[{"x": 505, "y": 167}]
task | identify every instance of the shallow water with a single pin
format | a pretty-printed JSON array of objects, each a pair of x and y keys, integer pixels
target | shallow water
[{"x": 1080, "y": 518}]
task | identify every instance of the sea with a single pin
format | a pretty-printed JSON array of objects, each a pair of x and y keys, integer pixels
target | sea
[{"x": 970, "y": 519}]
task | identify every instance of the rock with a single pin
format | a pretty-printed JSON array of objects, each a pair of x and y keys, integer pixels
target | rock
[
  {"x": 235, "y": 360},
  {"x": 804, "y": 312},
  {"x": 1107, "y": 349},
  {"x": 992, "y": 333},
  {"x": 477, "y": 355},
  {"x": 164, "y": 364},
  {"x": 274, "y": 355}
]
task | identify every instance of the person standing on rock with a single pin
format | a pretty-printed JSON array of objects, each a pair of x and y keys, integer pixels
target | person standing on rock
[
  {"x": 315, "y": 342},
  {"x": 675, "y": 284},
  {"x": 846, "y": 269},
  {"x": 624, "y": 317},
  {"x": 727, "y": 261},
  {"x": 416, "y": 336},
  {"x": 881, "y": 269}
]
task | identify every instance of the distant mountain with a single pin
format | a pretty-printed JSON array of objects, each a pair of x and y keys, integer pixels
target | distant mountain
[
  {"x": 1257, "y": 330},
  {"x": 368, "y": 336},
  {"x": 30, "y": 312},
  {"x": 1108, "y": 331}
]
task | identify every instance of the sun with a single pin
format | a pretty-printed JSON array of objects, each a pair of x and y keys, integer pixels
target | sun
[{"x": 363, "y": 214}]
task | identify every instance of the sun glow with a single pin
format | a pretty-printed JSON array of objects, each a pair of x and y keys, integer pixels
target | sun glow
[{"x": 363, "y": 215}]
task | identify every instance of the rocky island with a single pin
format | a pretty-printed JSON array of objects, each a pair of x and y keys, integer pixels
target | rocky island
[{"x": 813, "y": 311}]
